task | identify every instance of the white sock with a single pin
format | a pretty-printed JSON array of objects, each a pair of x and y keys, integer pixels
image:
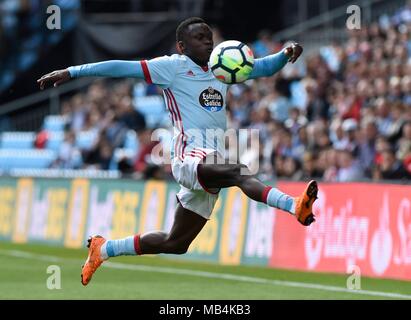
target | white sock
[
  {"x": 103, "y": 251},
  {"x": 120, "y": 247}
]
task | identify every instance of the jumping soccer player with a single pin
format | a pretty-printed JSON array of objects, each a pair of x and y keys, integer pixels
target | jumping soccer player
[{"x": 196, "y": 161}]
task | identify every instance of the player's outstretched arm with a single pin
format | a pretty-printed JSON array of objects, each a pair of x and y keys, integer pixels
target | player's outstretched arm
[
  {"x": 112, "y": 69},
  {"x": 269, "y": 65}
]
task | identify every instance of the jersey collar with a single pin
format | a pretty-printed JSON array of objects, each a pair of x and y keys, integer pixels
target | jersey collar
[{"x": 205, "y": 68}]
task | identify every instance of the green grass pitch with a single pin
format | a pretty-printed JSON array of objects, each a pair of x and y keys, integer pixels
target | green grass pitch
[{"x": 23, "y": 275}]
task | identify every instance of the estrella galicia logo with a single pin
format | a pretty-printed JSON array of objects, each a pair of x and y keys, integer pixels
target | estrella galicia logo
[{"x": 211, "y": 99}]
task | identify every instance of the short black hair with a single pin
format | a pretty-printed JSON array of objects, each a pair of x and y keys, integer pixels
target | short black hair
[{"x": 183, "y": 26}]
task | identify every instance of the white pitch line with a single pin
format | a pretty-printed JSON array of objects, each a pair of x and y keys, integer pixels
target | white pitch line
[{"x": 210, "y": 275}]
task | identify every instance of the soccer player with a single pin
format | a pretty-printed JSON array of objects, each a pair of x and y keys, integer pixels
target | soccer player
[{"x": 196, "y": 162}]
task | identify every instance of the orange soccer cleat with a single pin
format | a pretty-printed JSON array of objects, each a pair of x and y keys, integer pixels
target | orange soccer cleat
[
  {"x": 94, "y": 259},
  {"x": 304, "y": 204}
]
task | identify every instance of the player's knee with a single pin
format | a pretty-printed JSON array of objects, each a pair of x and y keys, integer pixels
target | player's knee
[
  {"x": 181, "y": 250},
  {"x": 177, "y": 247}
]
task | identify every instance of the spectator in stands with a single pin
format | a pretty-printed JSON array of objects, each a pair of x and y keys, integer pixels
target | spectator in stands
[
  {"x": 291, "y": 169},
  {"x": 115, "y": 130},
  {"x": 366, "y": 148},
  {"x": 337, "y": 134},
  {"x": 309, "y": 167},
  {"x": 381, "y": 144},
  {"x": 331, "y": 171},
  {"x": 350, "y": 143},
  {"x": 317, "y": 107},
  {"x": 406, "y": 86},
  {"x": 300, "y": 142},
  {"x": 69, "y": 156},
  {"x": 321, "y": 141},
  {"x": 348, "y": 168},
  {"x": 279, "y": 104},
  {"x": 390, "y": 168},
  {"x": 285, "y": 146},
  {"x": 241, "y": 104},
  {"x": 404, "y": 146},
  {"x": 146, "y": 146},
  {"x": 78, "y": 112},
  {"x": 99, "y": 157},
  {"x": 129, "y": 116},
  {"x": 384, "y": 117},
  {"x": 397, "y": 121},
  {"x": 93, "y": 119},
  {"x": 295, "y": 120}
]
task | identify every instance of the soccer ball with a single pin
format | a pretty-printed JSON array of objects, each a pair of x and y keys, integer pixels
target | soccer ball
[{"x": 232, "y": 62}]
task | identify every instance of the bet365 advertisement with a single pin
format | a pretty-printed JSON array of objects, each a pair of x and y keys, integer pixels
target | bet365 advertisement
[{"x": 363, "y": 225}]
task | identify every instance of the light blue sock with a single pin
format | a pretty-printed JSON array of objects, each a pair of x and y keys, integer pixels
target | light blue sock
[
  {"x": 280, "y": 200},
  {"x": 120, "y": 247}
]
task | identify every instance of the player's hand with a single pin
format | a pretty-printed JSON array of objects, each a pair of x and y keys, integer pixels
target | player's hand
[
  {"x": 56, "y": 78},
  {"x": 293, "y": 51}
]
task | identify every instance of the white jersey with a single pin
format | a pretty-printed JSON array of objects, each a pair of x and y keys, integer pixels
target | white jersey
[{"x": 196, "y": 102}]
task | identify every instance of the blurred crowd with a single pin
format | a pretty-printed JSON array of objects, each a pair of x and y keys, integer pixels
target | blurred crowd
[
  {"x": 342, "y": 113},
  {"x": 107, "y": 114}
]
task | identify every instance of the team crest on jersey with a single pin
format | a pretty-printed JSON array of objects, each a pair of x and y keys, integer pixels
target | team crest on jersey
[{"x": 211, "y": 99}]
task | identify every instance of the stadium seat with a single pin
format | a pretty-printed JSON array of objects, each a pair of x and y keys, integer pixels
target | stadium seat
[
  {"x": 17, "y": 140},
  {"x": 86, "y": 139},
  {"x": 26, "y": 159},
  {"x": 54, "y": 123},
  {"x": 55, "y": 140}
]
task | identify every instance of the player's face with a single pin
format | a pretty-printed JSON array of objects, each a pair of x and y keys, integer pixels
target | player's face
[{"x": 198, "y": 43}]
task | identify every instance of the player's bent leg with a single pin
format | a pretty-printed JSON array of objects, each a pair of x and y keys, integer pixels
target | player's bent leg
[
  {"x": 229, "y": 175},
  {"x": 215, "y": 176},
  {"x": 186, "y": 227}
]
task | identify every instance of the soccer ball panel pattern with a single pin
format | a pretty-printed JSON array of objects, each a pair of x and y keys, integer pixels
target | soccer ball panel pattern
[{"x": 232, "y": 62}]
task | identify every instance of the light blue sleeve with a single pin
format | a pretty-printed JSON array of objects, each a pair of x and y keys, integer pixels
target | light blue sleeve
[
  {"x": 161, "y": 70},
  {"x": 269, "y": 65},
  {"x": 112, "y": 68}
]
